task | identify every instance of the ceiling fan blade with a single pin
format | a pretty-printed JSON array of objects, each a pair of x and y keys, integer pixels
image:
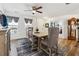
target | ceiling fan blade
[
  {"x": 38, "y": 7},
  {"x": 39, "y": 11}
]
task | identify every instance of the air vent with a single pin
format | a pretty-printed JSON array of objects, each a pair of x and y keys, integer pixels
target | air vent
[{"x": 67, "y": 3}]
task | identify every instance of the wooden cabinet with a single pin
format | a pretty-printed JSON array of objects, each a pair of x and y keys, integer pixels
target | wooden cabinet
[
  {"x": 3, "y": 43},
  {"x": 72, "y": 29}
]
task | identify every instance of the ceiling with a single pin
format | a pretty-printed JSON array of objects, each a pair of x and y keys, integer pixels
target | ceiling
[{"x": 49, "y": 9}]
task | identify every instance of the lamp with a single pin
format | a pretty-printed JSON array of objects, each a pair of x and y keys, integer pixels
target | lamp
[{"x": 37, "y": 30}]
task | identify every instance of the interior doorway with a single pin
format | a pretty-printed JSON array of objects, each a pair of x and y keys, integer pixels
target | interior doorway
[{"x": 72, "y": 29}]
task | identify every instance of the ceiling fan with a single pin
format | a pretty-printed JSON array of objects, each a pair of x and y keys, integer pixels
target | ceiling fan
[{"x": 35, "y": 9}]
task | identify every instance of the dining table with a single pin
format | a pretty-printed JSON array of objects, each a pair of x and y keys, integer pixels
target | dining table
[{"x": 39, "y": 36}]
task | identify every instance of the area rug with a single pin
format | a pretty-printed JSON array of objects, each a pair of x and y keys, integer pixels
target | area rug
[{"x": 24, "y": 48}]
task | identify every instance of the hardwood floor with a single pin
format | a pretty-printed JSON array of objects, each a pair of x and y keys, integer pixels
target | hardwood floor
[{"x": 71, "y": 45}]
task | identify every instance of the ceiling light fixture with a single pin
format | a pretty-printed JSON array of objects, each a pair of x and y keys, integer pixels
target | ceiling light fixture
[{"x": 34, "y": 12}]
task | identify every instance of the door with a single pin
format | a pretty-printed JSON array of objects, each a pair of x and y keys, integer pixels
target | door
[{"x": 72, "y": 29}]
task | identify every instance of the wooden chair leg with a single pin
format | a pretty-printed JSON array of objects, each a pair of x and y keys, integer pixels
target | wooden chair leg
[{"x": 50, "y": 52}]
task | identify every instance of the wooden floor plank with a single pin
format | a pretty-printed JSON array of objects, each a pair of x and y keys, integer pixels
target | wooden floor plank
[{"x": 71, "y": 45}]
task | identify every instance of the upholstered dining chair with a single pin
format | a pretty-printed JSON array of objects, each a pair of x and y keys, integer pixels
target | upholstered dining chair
[{"x": 50, "y": 44}]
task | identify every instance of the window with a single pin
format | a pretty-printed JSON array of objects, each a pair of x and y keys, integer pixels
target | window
[{"x": 28, "y": 20}]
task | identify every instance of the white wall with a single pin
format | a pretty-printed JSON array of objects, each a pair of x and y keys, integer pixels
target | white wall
[{"x": 40, "y": 23}]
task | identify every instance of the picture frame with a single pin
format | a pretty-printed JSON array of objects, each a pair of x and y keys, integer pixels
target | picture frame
[{"x": 46, "y": 25}]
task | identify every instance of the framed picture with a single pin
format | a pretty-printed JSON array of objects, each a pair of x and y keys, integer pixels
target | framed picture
[
  {"x": 60, "y": 30},
  {"x": 46, "y": 25}
]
